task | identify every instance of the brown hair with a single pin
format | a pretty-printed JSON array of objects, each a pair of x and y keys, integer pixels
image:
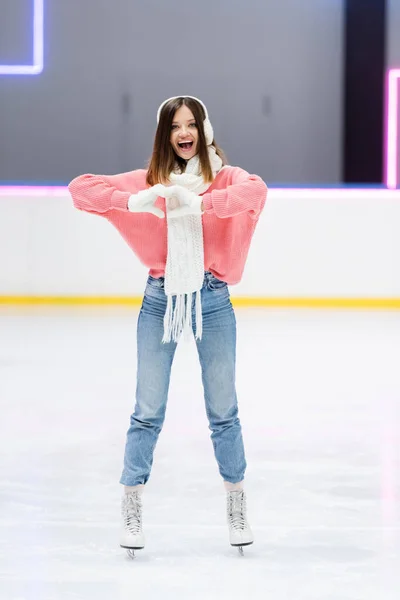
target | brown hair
[{"x": 164, "y": 159}]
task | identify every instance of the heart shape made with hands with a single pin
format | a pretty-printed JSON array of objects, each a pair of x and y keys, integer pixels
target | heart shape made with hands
[{"x": 177, "y": 196}]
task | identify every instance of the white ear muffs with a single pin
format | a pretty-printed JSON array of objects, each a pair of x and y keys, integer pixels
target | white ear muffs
[{"x": 208, "y": 129}]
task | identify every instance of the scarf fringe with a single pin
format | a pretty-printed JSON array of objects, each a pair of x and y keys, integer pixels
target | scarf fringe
[
  {"x": 168, "y": 322},
  {"x": 188, "y": 318},
  {"x": 179, "y": 320},
  {"x": 199, "y": 316}
]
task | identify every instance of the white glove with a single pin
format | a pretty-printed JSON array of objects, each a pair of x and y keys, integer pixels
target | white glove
[
  {"x": 189, "y": 202},
  {"x": 145, "y": 200}
]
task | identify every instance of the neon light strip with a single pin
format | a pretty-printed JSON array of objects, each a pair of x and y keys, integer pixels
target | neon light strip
[
  {"x": 392, "y": 128},
  {"x": 273, "y": 193},
  {"x": 33, "y": 191},
  {"x": 332, "y": 194},
  {"x": 38, "y": 44}
]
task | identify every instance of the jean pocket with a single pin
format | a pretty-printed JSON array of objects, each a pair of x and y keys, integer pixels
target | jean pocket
[
  {"x": 157, "y": 283},
  {"x": 215, "y": 284}
]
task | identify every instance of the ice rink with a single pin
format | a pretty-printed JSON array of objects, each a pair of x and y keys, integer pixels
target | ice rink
[{"x": 319, "y": 395}]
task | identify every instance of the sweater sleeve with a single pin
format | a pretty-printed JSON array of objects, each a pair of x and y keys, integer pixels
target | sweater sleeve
[
  {"x": 101, "y": 193},
  {"x": 246, "y": 194}
]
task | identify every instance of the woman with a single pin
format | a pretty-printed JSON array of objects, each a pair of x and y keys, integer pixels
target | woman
[{"x": 190, "y": 219}]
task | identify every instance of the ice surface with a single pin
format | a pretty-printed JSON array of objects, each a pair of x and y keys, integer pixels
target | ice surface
[{"x": 319, "y": 395}]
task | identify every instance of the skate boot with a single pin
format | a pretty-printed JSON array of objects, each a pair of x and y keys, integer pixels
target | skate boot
[
  {"x": 240, "y": 533},
  {"x": 132, "y": 537}
]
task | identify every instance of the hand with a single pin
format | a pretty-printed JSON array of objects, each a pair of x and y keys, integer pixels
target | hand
[
  {"x": 145, "y": 200},
  {"x": 189, "y": 202}
]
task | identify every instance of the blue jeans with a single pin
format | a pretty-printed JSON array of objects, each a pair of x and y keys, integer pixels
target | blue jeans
[{"x": 217, "y": 353}]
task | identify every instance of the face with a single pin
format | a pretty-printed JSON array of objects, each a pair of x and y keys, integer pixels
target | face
[{"x": 184, "y": 134}]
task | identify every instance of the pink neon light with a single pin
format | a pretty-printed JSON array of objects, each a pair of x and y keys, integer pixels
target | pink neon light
[
  {"x": 274, "y": 193},
  {"x": 38, "y": 43},
  {"x": 392, "y": 127},
  {"x": 33, "y": 191},
  {"x": 332, "y": 194}
]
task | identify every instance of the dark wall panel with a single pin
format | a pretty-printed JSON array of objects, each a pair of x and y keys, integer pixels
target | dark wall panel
[{"x": 364, "y": 91}]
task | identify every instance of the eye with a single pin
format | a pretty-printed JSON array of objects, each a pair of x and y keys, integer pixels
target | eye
[
  {"x": 174, "y": 127},
  {"x": 193, "y": 124}
]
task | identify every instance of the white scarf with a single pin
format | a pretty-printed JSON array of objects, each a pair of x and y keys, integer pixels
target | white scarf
[{"x": 184, "y": 272}]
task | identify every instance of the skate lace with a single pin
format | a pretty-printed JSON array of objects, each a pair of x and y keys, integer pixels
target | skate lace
[
  {"x": 132, "y": 513},
  {"x": 237, "y": 510}
]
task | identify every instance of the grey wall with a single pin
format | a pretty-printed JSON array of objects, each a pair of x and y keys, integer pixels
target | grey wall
[
  {"x": 270, "y": 72},
  {"x": 393, "y": 33}
]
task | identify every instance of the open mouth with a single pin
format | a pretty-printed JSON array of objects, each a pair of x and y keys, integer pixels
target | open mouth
[{"x": 186, "y": 146}]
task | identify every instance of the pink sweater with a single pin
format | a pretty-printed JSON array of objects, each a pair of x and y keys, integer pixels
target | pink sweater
[{"x": 232, "y": 203}]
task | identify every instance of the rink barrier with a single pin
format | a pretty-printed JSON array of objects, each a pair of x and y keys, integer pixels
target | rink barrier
[{"x": 238, "y": 302}]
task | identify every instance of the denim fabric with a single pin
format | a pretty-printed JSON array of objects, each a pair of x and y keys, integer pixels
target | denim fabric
[{"x": 217, "y": 354}]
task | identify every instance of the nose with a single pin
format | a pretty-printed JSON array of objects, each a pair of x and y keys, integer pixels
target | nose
[{"x": 184, "y": 131}]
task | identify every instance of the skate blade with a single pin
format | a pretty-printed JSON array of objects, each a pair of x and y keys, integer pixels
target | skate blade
[
  {"x": 131, "y": 551},
  {"x": 241, "y": 546}
]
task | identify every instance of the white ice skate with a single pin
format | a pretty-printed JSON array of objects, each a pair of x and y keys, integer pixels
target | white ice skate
[
  {"x": 240, "y": 533},
  {"x": 132, "y": 537}
]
